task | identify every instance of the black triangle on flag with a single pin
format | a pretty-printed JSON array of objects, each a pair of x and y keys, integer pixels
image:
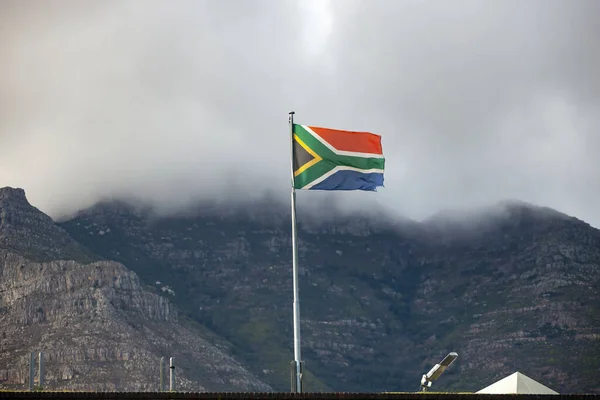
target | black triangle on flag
[{"x": 301, "y": 156}]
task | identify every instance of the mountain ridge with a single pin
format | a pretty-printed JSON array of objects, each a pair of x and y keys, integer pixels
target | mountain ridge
[
  {"x": 21, "y": 224},
  {"x": 519, "y": 295}
]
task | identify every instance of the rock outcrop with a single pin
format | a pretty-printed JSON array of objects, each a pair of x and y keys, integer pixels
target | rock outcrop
[
  {"x": 26, "y": 230},
  {"x": 97, "y": 325}
]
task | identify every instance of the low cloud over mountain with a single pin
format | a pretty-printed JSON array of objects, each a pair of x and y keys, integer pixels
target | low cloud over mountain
[{"x": 476, "y": 102}]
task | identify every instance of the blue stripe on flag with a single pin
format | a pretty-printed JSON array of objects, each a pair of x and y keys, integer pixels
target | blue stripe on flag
[{"x": 351, "y": 180}]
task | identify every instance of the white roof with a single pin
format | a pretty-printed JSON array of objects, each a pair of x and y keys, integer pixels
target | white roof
[{"x": 517, "y": 383}]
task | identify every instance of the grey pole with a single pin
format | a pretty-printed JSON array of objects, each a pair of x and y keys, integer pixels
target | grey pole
[
  {"x": 31, "y": 370},
  {"x": 297, "y": 385},
  {"x": 162, "y": 374},
  {"x": 171, "y": 374},
  {"x": 41, "y": 369}
]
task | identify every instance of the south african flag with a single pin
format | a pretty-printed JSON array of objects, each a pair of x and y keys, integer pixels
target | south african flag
[{"x": 332, "y": 159}]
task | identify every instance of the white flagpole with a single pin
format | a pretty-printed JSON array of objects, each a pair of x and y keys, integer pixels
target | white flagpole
[{"x": 297, "y": 384}]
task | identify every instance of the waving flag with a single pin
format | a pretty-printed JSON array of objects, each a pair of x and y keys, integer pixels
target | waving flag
[
  {"x": 327, "y": 159},
  {"x": 332, "y": 159}
]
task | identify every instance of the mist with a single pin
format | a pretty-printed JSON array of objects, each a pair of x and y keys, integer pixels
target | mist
[{"x": 173, "y": 103}]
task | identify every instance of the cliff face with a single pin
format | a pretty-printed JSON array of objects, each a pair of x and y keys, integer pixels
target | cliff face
[
  {"x": 109, "y": 292},
  {"x": 379, "y": 304},
  {"x": 98, "y": 326}
]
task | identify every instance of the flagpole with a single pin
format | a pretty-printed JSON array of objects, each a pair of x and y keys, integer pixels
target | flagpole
[{"x": 297, "y": 363}]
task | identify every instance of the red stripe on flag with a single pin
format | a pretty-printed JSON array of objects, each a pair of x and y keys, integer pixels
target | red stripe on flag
[{"x": 361, "y": 142}]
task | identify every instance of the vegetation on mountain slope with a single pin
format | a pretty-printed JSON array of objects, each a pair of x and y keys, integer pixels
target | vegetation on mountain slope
[{"x": 377, "y": 309}]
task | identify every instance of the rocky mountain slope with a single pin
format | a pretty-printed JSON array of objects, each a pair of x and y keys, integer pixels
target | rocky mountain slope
[
  {"x": 518, "y": 289},
  {"x": 98, "y": 327},
  {"x": 380, "y": 303}
]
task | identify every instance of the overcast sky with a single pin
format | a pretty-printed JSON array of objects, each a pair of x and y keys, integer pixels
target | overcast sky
[{"x": 476, "y": 101}]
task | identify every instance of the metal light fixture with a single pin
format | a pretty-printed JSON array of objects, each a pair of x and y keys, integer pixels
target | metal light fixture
[{"x": 437, "y": 370}]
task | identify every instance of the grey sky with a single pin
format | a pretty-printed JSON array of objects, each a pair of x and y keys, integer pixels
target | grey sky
[{"x": 477, "y": 101}]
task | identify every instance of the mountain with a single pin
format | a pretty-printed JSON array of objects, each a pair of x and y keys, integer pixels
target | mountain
[
  {"x": 514, "y": 287},
  {"x": 98, "y": 326}
]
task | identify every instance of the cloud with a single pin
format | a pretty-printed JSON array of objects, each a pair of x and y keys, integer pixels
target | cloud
[{"x": 476, "y": 101}]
